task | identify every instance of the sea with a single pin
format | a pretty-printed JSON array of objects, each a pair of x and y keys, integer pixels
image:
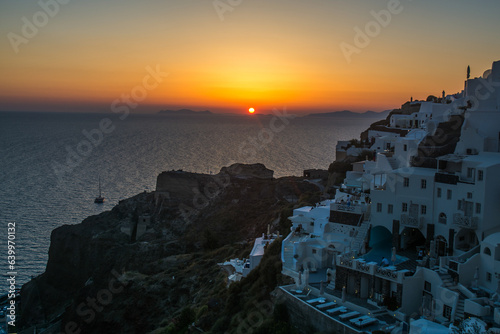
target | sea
[{"x": 51, "y": 163}]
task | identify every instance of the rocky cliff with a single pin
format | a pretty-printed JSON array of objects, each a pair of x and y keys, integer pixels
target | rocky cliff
[{"x": 101, "y": 280}]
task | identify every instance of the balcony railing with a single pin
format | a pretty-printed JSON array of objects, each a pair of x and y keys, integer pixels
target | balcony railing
[
  {"x": 411, "y": 221},
  {"x": 465, "y": 221},
  {"x": 372, "y": 268},
  {"x": 344, "y": 207},
  {"x": 354, "y": 207}
]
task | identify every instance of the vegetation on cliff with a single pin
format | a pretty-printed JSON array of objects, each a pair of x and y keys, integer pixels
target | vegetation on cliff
[{"x": 99, "y": 279}]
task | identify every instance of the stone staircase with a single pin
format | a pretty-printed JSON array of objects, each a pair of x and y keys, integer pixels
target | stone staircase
[
  {"x": 288, "y": 255},
  {"x": 447, "y": 280},
  {"x": 360, "y": 237},
  {"x": 459, "y": 312},
  {"x": 393, "y": 162},
  {"x": 287, "y": 252},
  {"x": 450, "y": 284}
]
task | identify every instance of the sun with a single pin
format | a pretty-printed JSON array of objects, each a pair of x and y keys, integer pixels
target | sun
[{"x": 251, "y": 110}]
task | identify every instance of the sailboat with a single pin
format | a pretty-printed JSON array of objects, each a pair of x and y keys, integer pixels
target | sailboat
[{"x": 99, "y": 199}]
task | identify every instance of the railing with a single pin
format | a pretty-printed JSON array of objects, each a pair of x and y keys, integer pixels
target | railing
[
  {"x": 358, "y": 208},
  {"x": 343, "y": 207},
  {"x": 465, "y": 221},
  {"x": 387, "y": 273},
  {"x": 390, "y": 273},
  {"x": 410, "y": 221},
  {"x": 362, "y": 266}
]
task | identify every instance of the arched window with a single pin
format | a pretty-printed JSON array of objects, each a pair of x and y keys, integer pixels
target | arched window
[
  {"x": 487, "y": 251},
  {"x": 442, "y": 218}
]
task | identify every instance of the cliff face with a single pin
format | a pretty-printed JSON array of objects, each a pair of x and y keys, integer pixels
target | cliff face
[{"x": 99, "y": 280}]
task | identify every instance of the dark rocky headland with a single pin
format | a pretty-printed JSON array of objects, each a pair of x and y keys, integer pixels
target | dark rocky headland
[{"x": 150, "y": 264}]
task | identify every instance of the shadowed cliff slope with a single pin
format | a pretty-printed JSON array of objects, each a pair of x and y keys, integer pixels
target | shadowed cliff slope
[{"x": 101, "y": 279}]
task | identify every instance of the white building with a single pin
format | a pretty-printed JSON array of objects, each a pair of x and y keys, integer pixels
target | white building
[{"x": 451, "y": 212}]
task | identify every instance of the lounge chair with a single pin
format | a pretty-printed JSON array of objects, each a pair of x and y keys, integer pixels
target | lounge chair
[
  {"x": 349, "y": 315},
  {"x": 336, "y": 310},
  {"x": 316, "y": 300},
  {"x": 363, "y": 321},
  {"x": 326, "y": 305}
]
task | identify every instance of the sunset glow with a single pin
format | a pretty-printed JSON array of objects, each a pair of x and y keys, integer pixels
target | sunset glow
[
  {"x": 86, "y": 55},
  {"x": 251, "y": 110}
]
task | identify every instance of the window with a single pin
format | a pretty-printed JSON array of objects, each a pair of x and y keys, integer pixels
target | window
[
  {"x": 427, "y": 286},
  {"x": 379, "y": 207},
  {"x": 478, "y": 208},
  {"x": 439, "y": 190},
  {"x": 448, "y": 194},
  {"x": 405, "y": 147},
  {"x": 314, "y": 251},
  {"x": 487, "y": 251},
  {"x": 447, "y": 312},
  {"x": 423, "y": 184},
  {"x": 469, "y": 195},
  {"x": 423, "y": 209},
  {"x": 442, "y": 218},
  {"x": 459, "y": 205},
  {"x": 488, "y": 277},
  {"x": 405, "y": 207},
  {"x": 390, "y": 208},
  {"x": 480, "y": 175},
  {"x": 406, "y": 182},
  {"x": 470, "y": 172}
]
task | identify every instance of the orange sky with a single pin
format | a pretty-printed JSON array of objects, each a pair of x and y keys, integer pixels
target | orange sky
[{"x": 264, "y": 53}]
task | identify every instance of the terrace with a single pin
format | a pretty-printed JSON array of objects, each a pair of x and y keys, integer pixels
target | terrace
[{"x": 355, "y": 315}]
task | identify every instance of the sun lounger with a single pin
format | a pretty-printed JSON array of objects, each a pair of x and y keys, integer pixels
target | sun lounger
[
  {"x": 316, "y": 300},
  {"x": 336, "y": 310},
  {"x": 349, "y": 315},
  {"x": 363, "y": 321},
  {"x": 326, "y": 305},
  {"x": 359, "y": 319}
]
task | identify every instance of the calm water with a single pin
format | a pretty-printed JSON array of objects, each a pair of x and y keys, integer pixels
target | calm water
[{"x": 38, "y": 198}]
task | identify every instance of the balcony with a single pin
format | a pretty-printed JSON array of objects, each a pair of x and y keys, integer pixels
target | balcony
[
  {"x": 446, "y": 178},
  {"x": 465, "y": 221},
  {"x": 355, "y": 207},
  {"x": 411, "y": 221}
]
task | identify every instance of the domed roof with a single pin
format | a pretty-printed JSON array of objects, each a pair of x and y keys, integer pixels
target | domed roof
[{"x": 493, "y": 239}]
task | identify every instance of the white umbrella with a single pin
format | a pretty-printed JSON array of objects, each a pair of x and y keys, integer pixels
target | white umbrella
[
  {"x": 432, "y": 249},
  {"x": 334, "y": 260},
  {"x": 306, "y": 277},
  {"x": 321, "y": 288},
  {"x": 329, "y": 273},
  {"x": 343, "y": 295},
  {"x": 363, "y": 249},
  {"x": 496, "y": 296},
  {"x": 393, "y": 257},
  {"x": 300, "y": 278},
  {"x": 476, "y": 277}
]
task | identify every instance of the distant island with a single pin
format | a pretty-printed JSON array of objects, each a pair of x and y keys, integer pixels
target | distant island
[
  {"x": 351, "y": 114},
  {"x": 184, "y": 112},
  {"x": 336, "y": 114}
]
